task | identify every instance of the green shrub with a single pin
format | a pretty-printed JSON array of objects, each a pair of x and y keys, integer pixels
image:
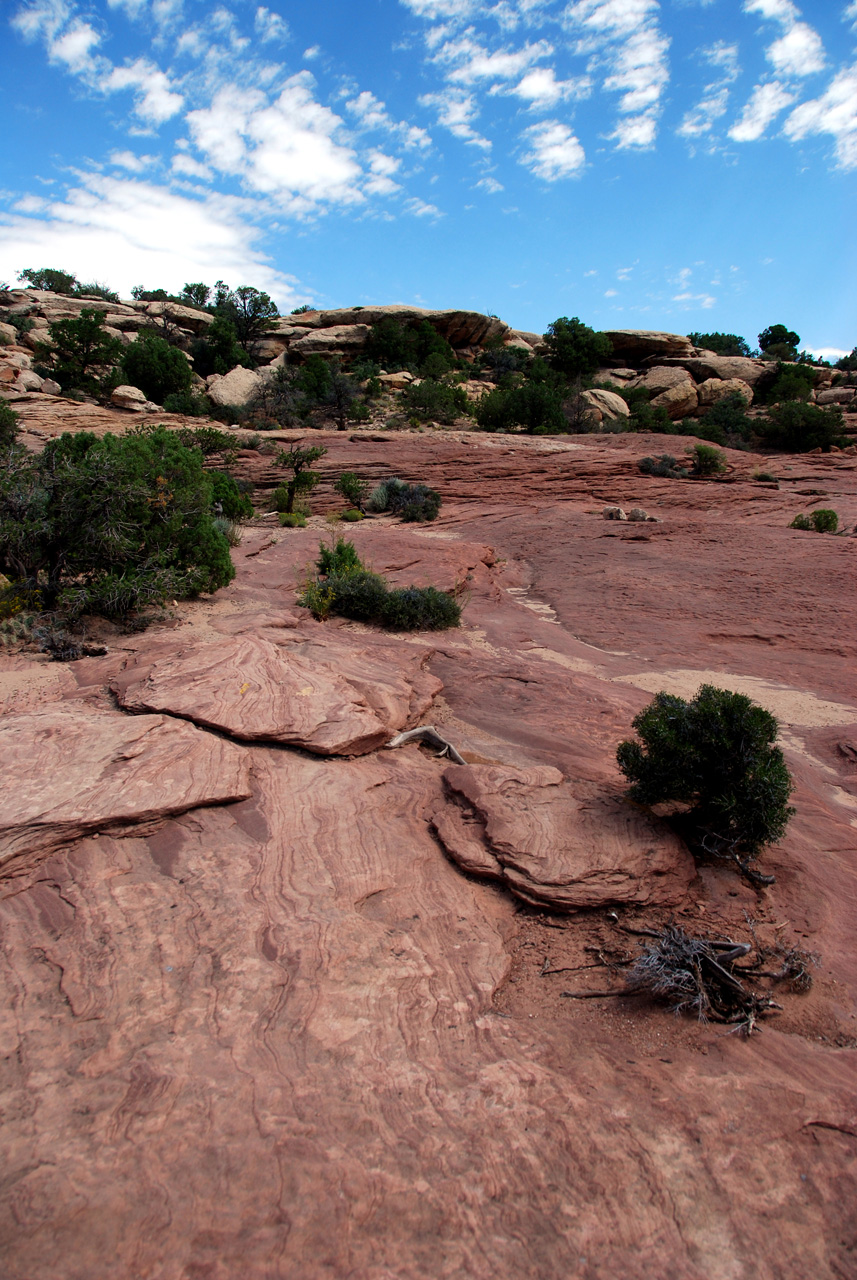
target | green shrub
[
  {"x": 208, "y": 440},
  {"x": 189, "y": 403},
  {"x": 81, "y": 356},
  {"x": 158, "y": 369},
  {"x": 230, "y": 530},
  {"x": 706, "y": 461},
  {"x": 233, "y": 499},
  {"x": 778, "y": 343},
  {"x": 218, "y": 351},
  {"x": 352, "y": 488},
  {"x": 436, "y": 401},
  {"x": 823, "y": 520},
  {"x": 793, "y": 382},
  {"x": 797, "y": 427},
  {"x": 715, "y": 754},
  {"x": 8, "y": 425},
  {"x": 293, "y": 519},
  {"x": 51, "y": 279},
  {"x": 723, "y": 344},
  {"x": 413, "y": 502},
  {"x": 574, "y": 349},
  {"x": 726, "y": 422},
  {"x": 352, "y": 516},
  {"x": 419, "y": 609},
  {"x": 534, "y": 407},
  {"x": 665, "y": 466},
  {"x": 113, "y": 524},
  {"x": 414, "y": 345},
  {"x": 303, "y": 481},
  {"x": 847, "y": 363},
  {"x": 346, "y": 587}
]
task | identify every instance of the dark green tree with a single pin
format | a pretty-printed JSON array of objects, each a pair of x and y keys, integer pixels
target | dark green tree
[
  {"x": 51, "y": 279},
  {"x": 108, "y": 525},
  {"x": 574, "y": 349},
  {"x": 797, "y": 427},
  {"x": 81, "y": 356},
  {"x": 195, "y": 295},
  {"x": 353, "y": 489},
  {"x": 303, "y": 480},
  {"x": 218, "y": 351},
  {"x": 8, "y": 426},
  {"x": 714, "y": 753},
  {"x": 722, "y": 344},
  {"x": 251, "y": 312},
  {"x": 779, "y": 343},
  {"x": 158, "y": 369}
]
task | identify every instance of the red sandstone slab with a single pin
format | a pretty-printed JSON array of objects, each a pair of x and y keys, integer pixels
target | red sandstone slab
[
  {"x": 70, "y": 771},
  {"x": 558, "y": 844},
  {"x": 336, "y": 696}
]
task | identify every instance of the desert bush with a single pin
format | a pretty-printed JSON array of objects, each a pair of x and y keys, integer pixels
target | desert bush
[
  {"x": 665, "y": 466},
  {"x": 715, "y": 755},
  {"x": 81, "y": 356},
  {"x": 303, "y": 480},
  {"x": 722, "y": 344},
  {"x": 230, "y": 529},
  {"x": 293, "y": 519},
  {"x": 230, "y": 495},
  {"x": 352, "y": 515},
  {"x": 190, "y": 403},
  {"x": 435, "y": 401},
  {"x": 352, "y": 488},
  {"x": 158, "y": 369},
  {"x": 778, "y": 343},
  {"x": 110, "y": 525},
  {"x": 797, "y": 427},
  {"x": 706, "y": 460},
  {"x": 345, "y": 586},
  {"x": 847, "y": 363},
  {"x": 219, "y": 350},
  {"x": 574, "y": 349},
  {"x": 413, "y": 502},
  {"x": 534, "y": 407},
  {"x": 8, "y": 425},
  {"x": 792, "y": 382},
  {"x": 395, "y": 344},
  {"x": 822, "y": 520},
  {"x": 726, "y": 422}
]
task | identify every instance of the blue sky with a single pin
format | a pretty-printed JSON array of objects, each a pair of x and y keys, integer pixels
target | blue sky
[{"x": 683, "y": 165}]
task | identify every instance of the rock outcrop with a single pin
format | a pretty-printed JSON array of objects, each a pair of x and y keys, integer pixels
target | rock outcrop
[
  {"x": 328, "y": 698},
  {"x": 71, "y": 771},
  {"x": 637, "y": 345},
  {"x": 556, "y": 844}
]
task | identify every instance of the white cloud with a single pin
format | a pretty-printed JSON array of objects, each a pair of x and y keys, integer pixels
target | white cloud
[
  {"x": 74, "y": 47},
  {"x": 371, "y": 113},
  {"x": 287, "y": 150},
  {"x": 456, "y": 112},
  {"x": 778, "y": 10},
  {"x": 798, "y": 53},
  {"x": 421, "y": 209},
  {"x": 470, "y": 61},
  {"x": 541, "y": 90},
  {"x": 703, "y": 300},
  {"x": 131, "y": 161},
  {"x": 270, "y": 26},
  {"x": 834, "y": 113},
  {"x": 625, "y": 37},
  {"x": 132, "y": 7},
  {"x": 554, "y": 152},
  {"x": 699, "y": 120},
  {"x": 434, "y": 9},
  {"x": 125, "y": 231},
  {"x": 313, "y": 52},
  {"x": 611, "y": 293},
  {"x": 491, "y": 185},
  {"x": 156, "y": 101},
  {"x": 381, "y": 168},
  {"x": 766, "y": 102},
  {"x": 850, "y": 14},
  {"x": 186, "y": 166}
]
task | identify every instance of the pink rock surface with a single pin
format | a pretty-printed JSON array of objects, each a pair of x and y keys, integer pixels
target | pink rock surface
[
  {"x": 329, "y": 698},
  {"x": 69, "y": 771},
  {"x": 557, "y": 845}
]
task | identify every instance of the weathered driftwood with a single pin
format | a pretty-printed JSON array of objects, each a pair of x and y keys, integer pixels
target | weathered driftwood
[{"x": 429, "y": 735}]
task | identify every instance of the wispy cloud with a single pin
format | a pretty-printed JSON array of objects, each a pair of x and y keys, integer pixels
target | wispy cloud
[
  {"x": 765, "y": 104},
  {"x": 833, "y": 113},
  {"x": 552, "y": 151},
  {"x": 456, "y": 112},
  {"x": 700, "y": 119}
]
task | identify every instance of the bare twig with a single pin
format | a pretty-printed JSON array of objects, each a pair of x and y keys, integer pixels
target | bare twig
[{"x": 430, "y": 736}]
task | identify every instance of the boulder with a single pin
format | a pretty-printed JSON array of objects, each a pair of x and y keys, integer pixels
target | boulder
[
  {"x": 714, "y": 389},
  {"x": 723, "y": 367},
  {"x": 621, "y": 377},
  {"x": 184, "y": 317},
  {"x": 608, "y": 403},
  {"x": 641, "y": 344},
  {"x": 460, "y": 328},
  {"x": 70, "y": 771},
  {"x": 267, "y": 349},
  {"x": 8, "y": 334},
  {"x": 534, "y": 340},
  {"x": 567, "y": 846},
  {"x": 396, "y": 381},
  {"x": 129, "y": 398},
  {"x": 836, "y": 395},
  {"x": 661, "y": 378},
  {"x": 614, "y": 513},
  {"x": 332, "y": 340},
  {"x": 328, "y": 697},
  {"x": 679, "y": 400},
  {"x": 51, "y": 388},
  {"x": 237, "y": 387},
  {"x": 27, "y": 380},
  {"x": 127, "y": 321}
]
